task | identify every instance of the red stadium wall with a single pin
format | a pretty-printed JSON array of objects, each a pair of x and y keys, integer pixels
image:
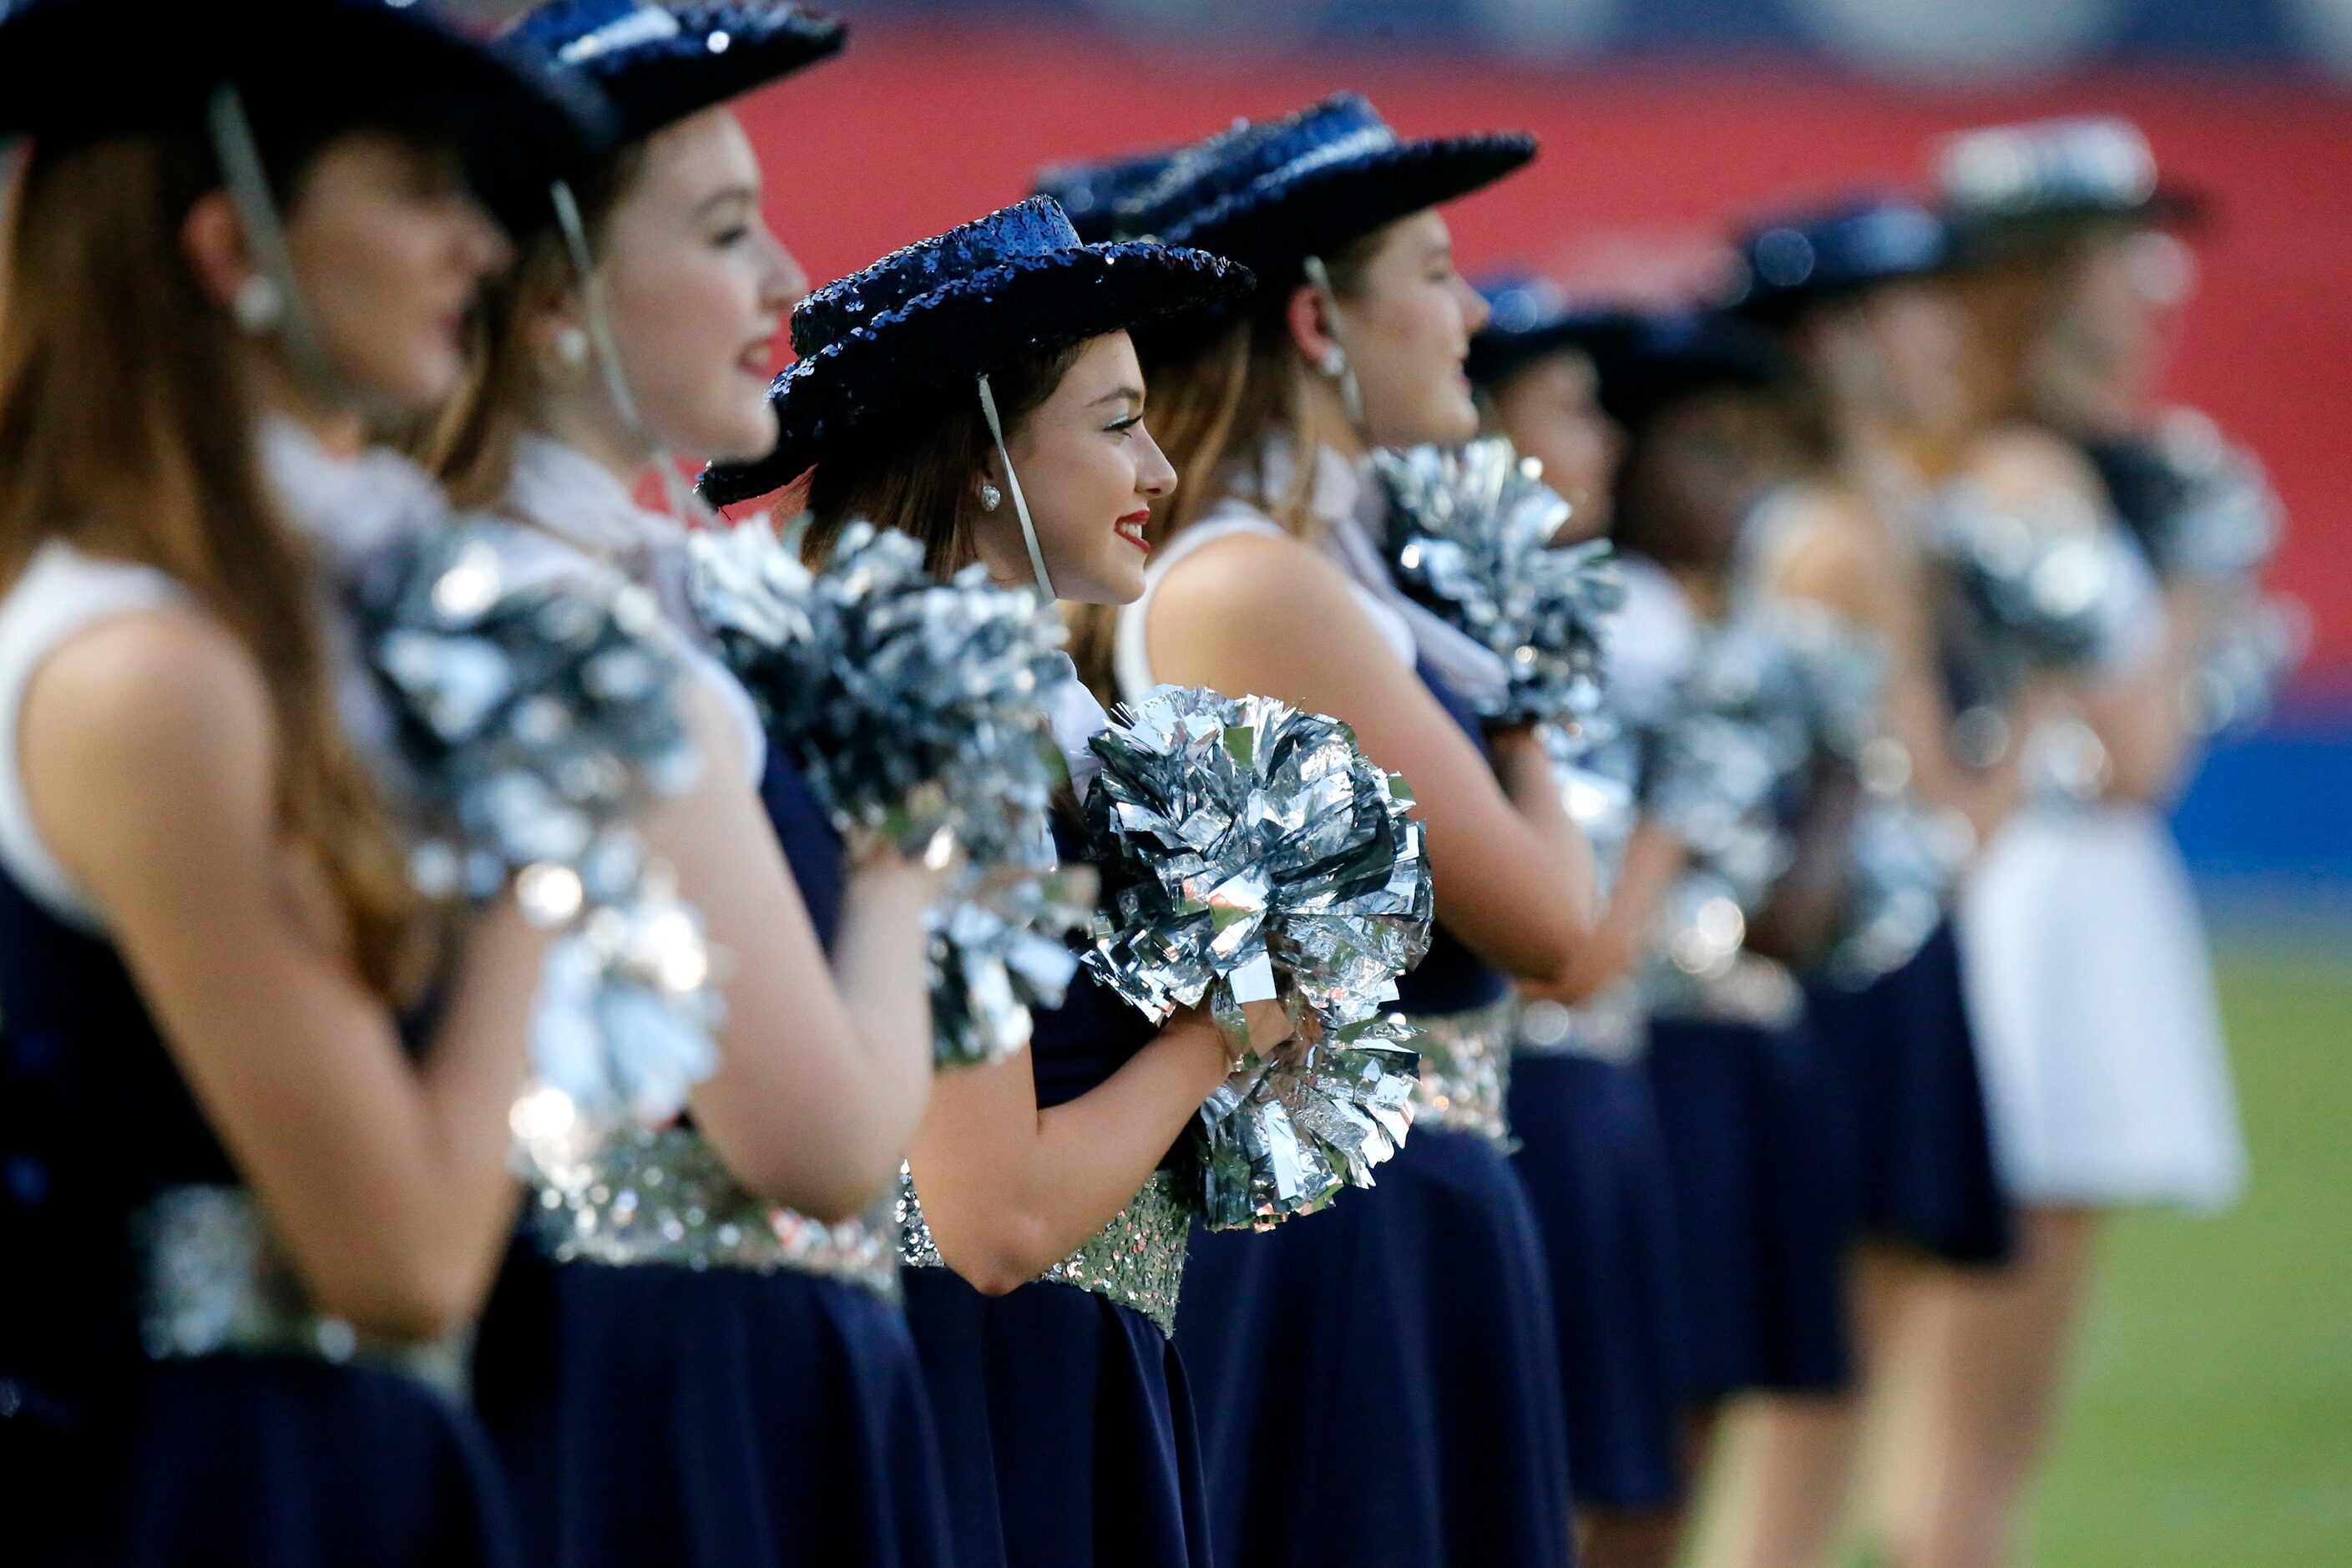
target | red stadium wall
[{"x": 917, "y": 129}]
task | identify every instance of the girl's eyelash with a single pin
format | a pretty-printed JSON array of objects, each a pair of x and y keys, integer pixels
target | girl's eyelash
[
  {"x": 732, "y": 236},
  {"x": 1124, "y": 426}
]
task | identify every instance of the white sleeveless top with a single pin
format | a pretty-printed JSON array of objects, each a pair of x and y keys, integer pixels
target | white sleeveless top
[
  {"x": 1131, "y": 648},
  {"x": 62, "y": 594},
  {"x": 1649, "y": 643},
  {"x": 347, "y": 508}
]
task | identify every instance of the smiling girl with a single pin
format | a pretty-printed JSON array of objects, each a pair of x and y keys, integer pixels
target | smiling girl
[
  {"x": 266, "y": 1181},
  {"x": 1415, "y": 1317},
  {"x": 979, "y": 391},
  {"x": 697, "y": 1356}
]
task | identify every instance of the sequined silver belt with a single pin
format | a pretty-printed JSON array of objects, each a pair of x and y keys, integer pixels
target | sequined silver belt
[
  {"x": 1753, "y": 990},
  {"x": 662, "y": 1196},
  {"x": 1607, "y": 1027},
  {"x": 1466, "y": 1070},
  {"x": 214, "y": 1282},
  {"x": 1136, "y": 1261}
]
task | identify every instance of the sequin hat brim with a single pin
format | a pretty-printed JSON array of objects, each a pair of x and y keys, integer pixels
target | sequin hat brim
[
  {"x": 1496, "y": 356},
  {"x": 1981, "y": 235},
  {"x": 1656, "y": 363},
  {"x": 946, "y": 338},
  {"x": 76, "y": 69},
  {"x": 1274, "y": 225},
  {"x": 718, "y": 52}
]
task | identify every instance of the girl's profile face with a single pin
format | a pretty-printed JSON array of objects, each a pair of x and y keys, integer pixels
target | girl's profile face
[
  {"x": 1552, "y": 412},
  {"x": 698, "y": 288},
  {"x": 390, "y": 249},
  {"x": 1089, "y": 470},
  {"x": 1407, "y": 332}
]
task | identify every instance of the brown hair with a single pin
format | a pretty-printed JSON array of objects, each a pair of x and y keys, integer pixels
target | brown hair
[
  {"x": 1220, "y": 401},
  {"x": 914, "y": 470},
  {"x": 470, "y": 445},
  {"x": 126, "y": 428},
  {"x": 1776, "y": 430}
]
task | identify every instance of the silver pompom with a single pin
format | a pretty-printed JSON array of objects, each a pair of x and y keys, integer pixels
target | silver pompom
[
  {"x": 2218, "y": 519},
  {"x": 1470, "y": 536},
  {"x": 1906, "y": 858},
  {"x": 916, "y": 709},
  {"x": 539, "y": 720},
  {"x": 1251, "y": 852},
  {"x": 2253, "y": 644},
  {"x": 1768, "y": 695},
  {"x": 2036, "y": 592},
  {"x": 1599, "y": 783}
]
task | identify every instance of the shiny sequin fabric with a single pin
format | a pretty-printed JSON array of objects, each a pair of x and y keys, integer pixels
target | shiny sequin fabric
[
  {"x": 659, "y": 63},
  {"x": 77, "y": 68},
  {"x": 1136, "y": 1261},
  {"x": 1270, "y": 193},
  {"x": 1470, "y": 538},
  {"x": 1466, "y": 1070},
  {"x": 936, "y": 316},
  {"x": 662, "y": 1196},
  {"x": 1608, "y": 1026},
  {"x": 214, "y": 1282}
]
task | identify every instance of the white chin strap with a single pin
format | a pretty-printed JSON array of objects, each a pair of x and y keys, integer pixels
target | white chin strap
[
  {"x": 247, "y": 184},
  {"x": 1012, "y": 484},
  {"x": 606, "y": 348},
  {"x": 1351, "y": 395}
]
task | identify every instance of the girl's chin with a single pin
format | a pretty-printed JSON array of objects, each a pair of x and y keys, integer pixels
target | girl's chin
[{"x": 743, "y": 440}]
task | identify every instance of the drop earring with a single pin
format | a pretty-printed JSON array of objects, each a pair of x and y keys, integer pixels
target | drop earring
[
  {"x": 260, "y": 307},
  {"x": 991, "y": 497}
]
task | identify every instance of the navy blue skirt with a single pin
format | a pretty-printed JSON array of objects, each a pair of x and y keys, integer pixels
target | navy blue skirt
[
  {"x": 1594, "y": 1164},
  {"x": 1065, "y": 1429},
  {"x": 1922, "y": 1151},
  {"x": 721, "y": 1418},
  {"x": 1763, "y": 1204},
  {"x": 1378, "y": 1381},
  {"x": 259, "y": 1462}
]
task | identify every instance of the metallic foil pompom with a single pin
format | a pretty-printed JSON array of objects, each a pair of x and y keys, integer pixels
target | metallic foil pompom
[
  {"x": 2035, "y": 592},
  {"x": 1769, "y": 697},
  {"x": 1718, "y": 763},
  {"x": 1905, "y": 859},
  {"x": 1470, "y": 536},
  {"x": 2253, "y": 644},
  {"x": 537, "y": 717},
  {"x": 916, "y": 710},
  {"x": 2214, "y": 516},
  {"x": 1252, "y": 852},
  {"x": 1598, "y": 783}
]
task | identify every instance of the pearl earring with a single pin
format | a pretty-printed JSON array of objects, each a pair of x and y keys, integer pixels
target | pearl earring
[
  {"x": 572, "y": 348},
  {"x": 1334, "y": 362},
  {"x": 259, "y": 308},
  {"x": 991, "y": 497}
]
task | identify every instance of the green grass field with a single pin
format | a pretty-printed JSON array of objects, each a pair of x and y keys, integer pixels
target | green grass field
[{"x": 2211, "y": 1424}]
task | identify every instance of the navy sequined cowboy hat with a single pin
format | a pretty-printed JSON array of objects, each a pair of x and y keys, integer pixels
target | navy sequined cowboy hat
[
  {"x": 1529, "y": 316},
  {"x": 938, "y": 315},
  {"x": 657, "y": 63},
  {"x": 1663, "y": 358},
  {"x": 1804, "y": 258},
  {"x": 1270, "y": 193},
  {"x": 74, "y": 69},
  {"x": 1091, "y": 191},
  {"x": 2010, "y": 184}
]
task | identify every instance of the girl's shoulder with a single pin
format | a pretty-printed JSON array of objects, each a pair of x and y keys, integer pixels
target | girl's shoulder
[{"x": 2026, "y": 466}]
